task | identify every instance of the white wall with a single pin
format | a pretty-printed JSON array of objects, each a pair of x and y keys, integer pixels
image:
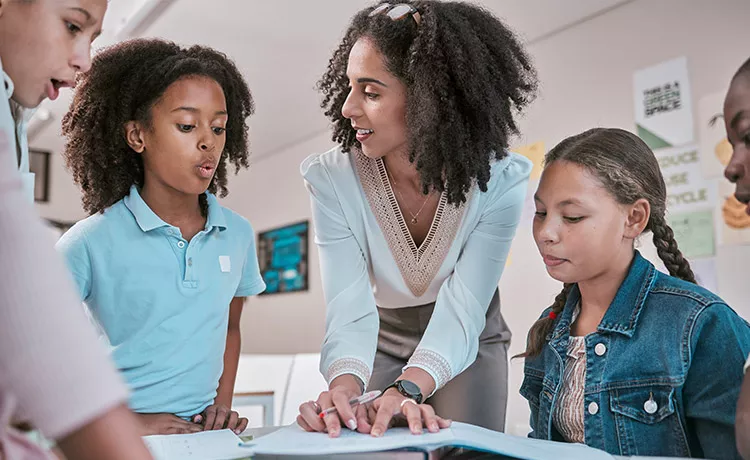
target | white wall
[
  {"x": 272, "y": 194},
  {"x": 586, "y": 73},
  {"x": 64, "y": 197}
]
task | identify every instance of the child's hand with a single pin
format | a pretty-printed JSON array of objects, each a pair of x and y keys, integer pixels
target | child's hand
[
  {"x": 166, "y": 424},
  {"x": 219, "y": 416}
]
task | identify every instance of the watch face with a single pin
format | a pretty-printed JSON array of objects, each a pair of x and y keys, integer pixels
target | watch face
[{"x": 410, "y": 387}]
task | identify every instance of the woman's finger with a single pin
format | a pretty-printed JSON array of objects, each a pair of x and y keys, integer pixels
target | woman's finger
[
  {"x": 310, "y": 416},
  {"x": 344, "y": 409},
  {"x": 386, "y": 409},
  {"x": 363, "y": 423},
  {"x": 429, "y": 418},
  {"x": 410, "y": 410},
  {"x": 303, "y": 424},
  {"x": 333, "y": 425},
  {"x": 444, "y": 422}
]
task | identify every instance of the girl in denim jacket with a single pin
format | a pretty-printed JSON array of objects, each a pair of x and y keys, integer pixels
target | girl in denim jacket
[{"x": 628, "y": 359}]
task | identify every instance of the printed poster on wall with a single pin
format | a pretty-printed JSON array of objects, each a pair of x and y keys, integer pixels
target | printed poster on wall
[
  {"x": 732, "y": 221},
  {"x": 534, "y": 152},
  {"x": 691, "y": 200},
  {"x": 687, "y": 189},
  {"x": 663, "y": 106},
  {"x": 694, "y": 232}
]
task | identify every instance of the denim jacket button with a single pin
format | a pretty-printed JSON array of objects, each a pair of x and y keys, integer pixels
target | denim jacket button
[
  {"x": 600, "y": 349},
  {"x": 650, "y": 406},
  {"x": 593, "y": 408}
]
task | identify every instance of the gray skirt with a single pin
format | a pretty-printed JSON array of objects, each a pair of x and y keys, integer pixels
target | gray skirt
[{"x": 479, "y": 394}]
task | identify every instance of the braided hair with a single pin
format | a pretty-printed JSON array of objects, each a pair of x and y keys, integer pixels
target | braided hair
[
  {"x": 467, "y": 77},
  {"x": 629, "y": 171}
]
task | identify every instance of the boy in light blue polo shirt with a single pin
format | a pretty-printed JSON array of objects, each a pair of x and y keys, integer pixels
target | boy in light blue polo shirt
[{"x": 161, "y": 265}]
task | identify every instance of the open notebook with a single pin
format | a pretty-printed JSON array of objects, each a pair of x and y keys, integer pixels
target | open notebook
[{"x": 292, "y": 440}]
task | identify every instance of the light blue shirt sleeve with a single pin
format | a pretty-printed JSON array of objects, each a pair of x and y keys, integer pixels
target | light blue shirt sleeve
[
  {"x": 251, "y": 283},
  {"x": 351, "y": 314},
  {"x": 75, "y": 251},
  {"x": 451, "y": 341}
]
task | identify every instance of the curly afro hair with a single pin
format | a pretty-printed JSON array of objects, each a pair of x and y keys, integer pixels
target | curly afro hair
[
  {"x": 466, "y": 75},
  {"x": 124, "y": 83}
]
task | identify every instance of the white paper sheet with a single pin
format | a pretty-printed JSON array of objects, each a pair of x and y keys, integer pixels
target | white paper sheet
[
  {"x": 292, "y": 440},
  {"x": 206, "y": 445}
]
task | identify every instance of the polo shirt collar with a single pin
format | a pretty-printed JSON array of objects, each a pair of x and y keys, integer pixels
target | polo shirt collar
[{"x": 148, "y": 220}]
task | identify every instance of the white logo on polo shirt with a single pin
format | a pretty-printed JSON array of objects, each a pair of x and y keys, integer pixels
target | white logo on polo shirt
[{"x": 225, "y": 263}]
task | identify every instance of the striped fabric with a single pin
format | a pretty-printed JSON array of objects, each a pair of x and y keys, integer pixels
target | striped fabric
[{"x": 568, "y": 412}]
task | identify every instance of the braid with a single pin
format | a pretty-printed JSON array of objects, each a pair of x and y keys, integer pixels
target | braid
[
  {"x": 669, "y": 253},
  {"x": 543, "y": 326}
]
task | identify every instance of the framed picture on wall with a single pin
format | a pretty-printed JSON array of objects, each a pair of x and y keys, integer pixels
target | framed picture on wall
[
  {"x": 39, "y": 165},
  {"x": 282, "y": 256}
]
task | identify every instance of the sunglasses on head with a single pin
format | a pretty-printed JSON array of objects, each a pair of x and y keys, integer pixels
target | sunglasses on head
[{"x": 397, "y": 12}]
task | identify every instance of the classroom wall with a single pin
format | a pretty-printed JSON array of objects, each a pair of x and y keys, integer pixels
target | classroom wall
[
  {"x": 586, "y": 73},
  {"x": 272, "y": 194},
  {"x": 64, "y": 197}
]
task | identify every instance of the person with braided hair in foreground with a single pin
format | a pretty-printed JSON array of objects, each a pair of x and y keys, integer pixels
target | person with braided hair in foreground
[
  {"x": 414, "y": 213},
  {"x": 627, "y": 359}
]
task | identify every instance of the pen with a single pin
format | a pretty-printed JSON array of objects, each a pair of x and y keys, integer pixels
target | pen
[{"x": 364, "y": 399}]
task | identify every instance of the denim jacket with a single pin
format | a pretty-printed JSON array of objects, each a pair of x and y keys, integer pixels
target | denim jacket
[{"x": 667, "y": 379}]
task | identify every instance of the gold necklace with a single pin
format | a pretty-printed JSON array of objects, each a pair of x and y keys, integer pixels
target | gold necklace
[{"x": 414, "y": 219}]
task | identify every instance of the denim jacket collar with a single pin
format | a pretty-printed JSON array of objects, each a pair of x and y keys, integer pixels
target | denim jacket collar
[{"x": 623, "y": 313}]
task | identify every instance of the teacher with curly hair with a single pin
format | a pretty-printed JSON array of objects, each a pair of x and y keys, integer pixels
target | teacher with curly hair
[{"x": 414, "y": 213}]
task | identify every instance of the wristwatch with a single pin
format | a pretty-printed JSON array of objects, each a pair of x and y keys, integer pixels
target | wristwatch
[{"x": 409, "y": 389}]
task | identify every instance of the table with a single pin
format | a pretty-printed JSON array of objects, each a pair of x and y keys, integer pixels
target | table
[{"x": 257, "y": 398}]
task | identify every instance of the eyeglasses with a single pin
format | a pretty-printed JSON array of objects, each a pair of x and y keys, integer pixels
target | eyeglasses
[{"x": 397, "y": 12}]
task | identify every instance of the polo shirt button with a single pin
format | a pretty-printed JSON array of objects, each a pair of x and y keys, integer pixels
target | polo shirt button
[
  {"x": 593, "y": 408},
  {"x": 190, "y": 262},
  {"x": 180, "y": 244},
  {"x": 600, "y": 349}
]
